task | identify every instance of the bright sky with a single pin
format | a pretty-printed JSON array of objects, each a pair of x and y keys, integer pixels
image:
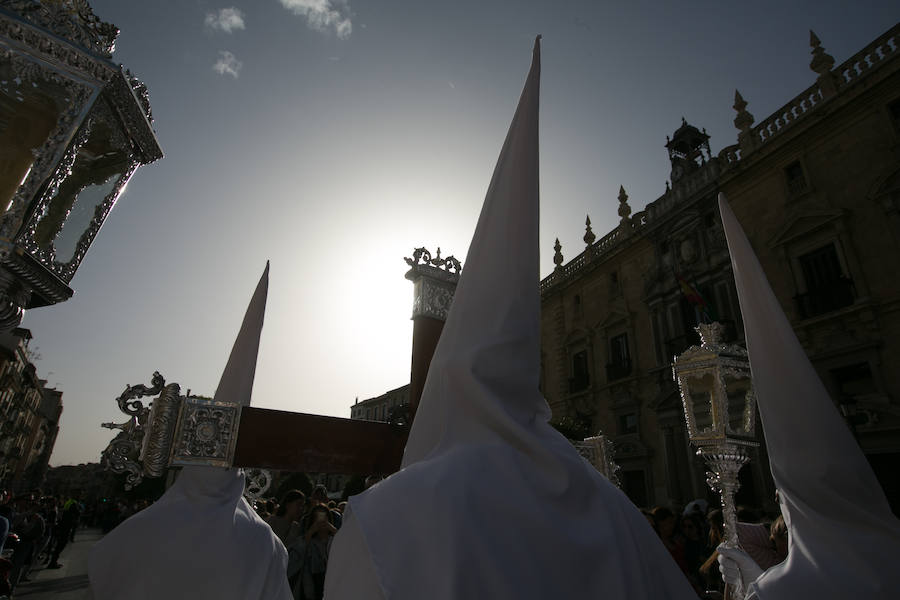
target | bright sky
[{"x": 333, "y": 137}]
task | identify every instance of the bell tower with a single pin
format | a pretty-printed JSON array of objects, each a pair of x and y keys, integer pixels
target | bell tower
[{"x": 688, "y": 150}]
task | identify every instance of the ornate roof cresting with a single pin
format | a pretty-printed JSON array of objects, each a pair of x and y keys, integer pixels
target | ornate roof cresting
[
  {"x": 141, "y": 93},
  {"x": 422, "y": 257},
  {"x": 70, "y": 19}
]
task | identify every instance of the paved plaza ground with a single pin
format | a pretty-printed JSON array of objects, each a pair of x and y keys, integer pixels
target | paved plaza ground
[{"x": 68, "y": 583}]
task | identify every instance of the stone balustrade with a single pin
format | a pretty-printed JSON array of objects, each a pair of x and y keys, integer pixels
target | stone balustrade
[
  {"x": 870, "y": 57},
  {"x": 787, "y": 115}
]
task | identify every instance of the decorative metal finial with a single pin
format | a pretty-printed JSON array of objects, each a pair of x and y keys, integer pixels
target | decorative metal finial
[
  {"x": 437, "y": 260},
  {"x": 557, "y": 256},
  {"x": 822, "y": 62},
  {"x": 589, "y": 236},
  {"x": 744, "y": 120},
  {"x": 624, "y": 209}
]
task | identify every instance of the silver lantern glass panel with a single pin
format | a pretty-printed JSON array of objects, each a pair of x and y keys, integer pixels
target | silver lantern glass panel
[
  {"x": 68, "y": 215},
  {"x": 41, "y": 107},
  {"x": 715, "y": 385}
]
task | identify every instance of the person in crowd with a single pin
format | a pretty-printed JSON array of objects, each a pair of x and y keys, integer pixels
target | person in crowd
[
  {"x": 491, "y": 500},
  {"x": 50, "y": 513},
  {"x": 709, "y": 570},
  {"x": 29, "y": 526},
  {"x": 308, "y": 555},
  {"x": 667, "y": 527},
  {"x": 285, "y": 521},
  {"x": 68, "y": 522},
  {"x": 319, "y": 497},
  {"x": 696, "y": 548},
  {"x": 766, "y": 545}
]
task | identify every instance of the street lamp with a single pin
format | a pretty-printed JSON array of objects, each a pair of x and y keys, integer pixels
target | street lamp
[
  {"x": 720, "y": 410},
  {"x": 74, "y": 127}
]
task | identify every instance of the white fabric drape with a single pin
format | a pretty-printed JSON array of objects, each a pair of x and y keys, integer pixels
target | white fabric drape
[
  {"x": 201, "y": 539},
  {"x": 844, "y": 542},
  {"x": 492, "y": 502}
]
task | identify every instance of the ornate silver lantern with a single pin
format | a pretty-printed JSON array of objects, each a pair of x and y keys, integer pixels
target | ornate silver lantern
[
  {"x": 74, "y": 127},
  {"x": 720, "y": 410}
]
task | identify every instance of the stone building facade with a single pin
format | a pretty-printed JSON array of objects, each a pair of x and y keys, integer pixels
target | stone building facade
[
  {"x": 816, "y": 186},
  {"x": 29, "y": 416},
  {"x": 380, "y": 407}
]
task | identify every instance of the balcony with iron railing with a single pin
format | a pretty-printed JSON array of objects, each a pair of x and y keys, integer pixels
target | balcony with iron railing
[{"x": 840, "y": 293}]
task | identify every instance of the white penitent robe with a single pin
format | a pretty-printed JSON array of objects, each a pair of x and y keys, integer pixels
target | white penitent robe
[
  {"x": 492, "y": 502},
  {"x": 843, "y": 539},
  {"x": 481, "y": 524},
  {"x": 200, "y": 540}
]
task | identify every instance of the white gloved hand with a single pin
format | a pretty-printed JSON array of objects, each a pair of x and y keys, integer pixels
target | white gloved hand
[{"x": 737, "y": 567}]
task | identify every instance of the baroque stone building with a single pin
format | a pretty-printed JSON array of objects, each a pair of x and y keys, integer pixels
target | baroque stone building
[
  {"x": 380, "y": 407},
  {"x": 816, "y": 186},
  {"x": 29, "y": 415}
]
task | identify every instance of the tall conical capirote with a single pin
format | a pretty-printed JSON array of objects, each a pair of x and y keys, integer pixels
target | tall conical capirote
[
  {"x": 200, "y": 539},
  {"x": 844, "y": 539},
  {"x": 492, "y": 502},
  {"x": 236, "y": 383},
  {"x": 486, "y": 365}
]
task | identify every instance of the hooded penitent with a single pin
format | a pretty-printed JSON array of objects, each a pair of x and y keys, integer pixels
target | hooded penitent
[
  {"x": 844, "y": 542},
  {"x": 492, "y": 502},
  {"x": 201, "y": 539}
]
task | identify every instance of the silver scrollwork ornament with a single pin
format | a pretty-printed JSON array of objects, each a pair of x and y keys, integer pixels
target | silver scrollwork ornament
[{"x": 257, "y": 484}]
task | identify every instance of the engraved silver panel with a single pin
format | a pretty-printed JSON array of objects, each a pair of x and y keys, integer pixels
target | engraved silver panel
[
  {"x": 160, "y": 431},
  {"x": 206, "y": 433}
]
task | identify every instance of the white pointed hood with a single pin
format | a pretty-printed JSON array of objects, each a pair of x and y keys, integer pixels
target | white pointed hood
[
  {"x": 200, "y": 539},
  {"x": 844, "y": 540},
  {"x": 492, "y": 502},
  {"x": 483, "y": 381}
]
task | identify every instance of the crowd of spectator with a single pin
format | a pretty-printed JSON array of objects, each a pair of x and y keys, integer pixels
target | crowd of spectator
[
  {"x": 693, "y": 534},
  {"x": 35, "y": 528},
  {"x": 306, "y": 527}
]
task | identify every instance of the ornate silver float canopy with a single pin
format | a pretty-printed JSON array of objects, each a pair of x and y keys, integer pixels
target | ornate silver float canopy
[{"x": 74, "y": 127}]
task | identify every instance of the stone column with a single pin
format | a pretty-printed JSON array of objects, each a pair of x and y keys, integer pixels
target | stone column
[{"x": 434, "y": 282}]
